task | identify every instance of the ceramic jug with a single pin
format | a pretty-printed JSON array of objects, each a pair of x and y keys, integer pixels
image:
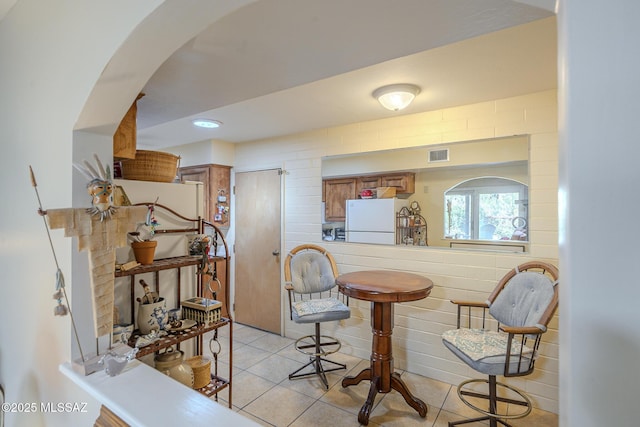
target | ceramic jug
[{"x": 172, "y": 363}]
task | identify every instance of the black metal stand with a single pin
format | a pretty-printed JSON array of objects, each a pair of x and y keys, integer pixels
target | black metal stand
[{"x": 316, "y": 358}]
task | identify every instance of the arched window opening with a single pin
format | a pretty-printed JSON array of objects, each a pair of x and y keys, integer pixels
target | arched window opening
[{"x": 487, "y": 208}]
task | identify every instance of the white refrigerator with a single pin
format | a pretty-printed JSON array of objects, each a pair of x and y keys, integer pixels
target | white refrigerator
[
  {"x": 185, "y": 199},
  {"x": 372, "y": 220}
]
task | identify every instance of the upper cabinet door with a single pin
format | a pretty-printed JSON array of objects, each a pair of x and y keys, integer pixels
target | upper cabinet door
[
  {"x": 337, "y": 192},
  {"x": 367, "y": 182}
]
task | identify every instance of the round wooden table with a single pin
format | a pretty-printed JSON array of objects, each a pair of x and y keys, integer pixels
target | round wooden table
[{"x": 383, "y": 288}]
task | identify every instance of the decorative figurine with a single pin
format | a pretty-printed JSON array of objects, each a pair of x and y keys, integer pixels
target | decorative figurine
[
  {"x": 99, "y": 187},
  {"x": 114, "y": 363}
]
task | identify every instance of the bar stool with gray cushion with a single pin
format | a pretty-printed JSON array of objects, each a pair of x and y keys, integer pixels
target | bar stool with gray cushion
[
  {"x": 310, "y": 280},
  {"x": 522, "y": 304}
]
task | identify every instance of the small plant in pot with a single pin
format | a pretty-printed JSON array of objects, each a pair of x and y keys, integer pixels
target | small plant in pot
[{"x": 142, "y": 243}]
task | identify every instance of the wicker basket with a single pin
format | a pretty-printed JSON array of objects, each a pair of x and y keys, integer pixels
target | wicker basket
[
  {"x": 201, "y": 367},
  {"x": 201, "y": 316},
  {"x": 151, "y": 166}
]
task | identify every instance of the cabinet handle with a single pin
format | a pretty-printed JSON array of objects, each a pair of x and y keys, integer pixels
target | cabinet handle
[{"x": 276, "y": 252}]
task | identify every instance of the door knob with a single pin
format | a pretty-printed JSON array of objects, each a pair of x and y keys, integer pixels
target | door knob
[{"x": 276, "y": 252}]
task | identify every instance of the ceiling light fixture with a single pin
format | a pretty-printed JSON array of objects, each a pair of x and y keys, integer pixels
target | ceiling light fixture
[
  {"x": 206, "y": 123},
  {"x": 396, "y": 97}
]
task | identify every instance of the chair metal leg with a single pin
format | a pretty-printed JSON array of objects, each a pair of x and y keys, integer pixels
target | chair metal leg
[
  {"x": 492, "y": 414},
  {"x": 492, "y": 421},
  {"x": 316, "y": 358},
  {"x": 492, "y": 405}
]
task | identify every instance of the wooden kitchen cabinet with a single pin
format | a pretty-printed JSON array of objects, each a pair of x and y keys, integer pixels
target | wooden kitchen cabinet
[
  {"x": 367, "y": 182},
  {"x": 336, "y": 193},
  {"x": 216, "y": 181}
]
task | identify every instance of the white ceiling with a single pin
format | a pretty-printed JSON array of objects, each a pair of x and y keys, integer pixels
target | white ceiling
[{"x": 276, "y": 67}]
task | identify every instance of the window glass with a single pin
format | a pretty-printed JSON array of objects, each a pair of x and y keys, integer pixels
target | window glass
[{"x": 487, "y": 208}]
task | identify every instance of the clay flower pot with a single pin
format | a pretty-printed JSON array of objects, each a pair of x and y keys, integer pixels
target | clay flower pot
[{"x": 144, "y": 251}]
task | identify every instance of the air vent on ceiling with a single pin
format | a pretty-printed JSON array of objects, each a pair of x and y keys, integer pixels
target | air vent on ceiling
[{"x": 441, "y": 155}]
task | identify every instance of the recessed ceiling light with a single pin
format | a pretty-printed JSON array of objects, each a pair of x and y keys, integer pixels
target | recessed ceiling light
[{"x": 206, "y": 123}]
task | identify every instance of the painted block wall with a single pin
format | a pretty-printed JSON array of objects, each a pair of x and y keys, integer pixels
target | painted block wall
[
  {"x": 203, "y": 152},
  {"x": 50, "y": 68},
  {"x": 455, "y": 273}
]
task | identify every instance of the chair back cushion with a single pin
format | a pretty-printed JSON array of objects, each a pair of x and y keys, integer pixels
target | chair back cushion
[
  {"x": 311, "y": 272},
  {"x": 523, "y": 300}
]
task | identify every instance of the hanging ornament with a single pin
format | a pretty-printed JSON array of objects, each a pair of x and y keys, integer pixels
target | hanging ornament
[{"x": 60, "y": 309}]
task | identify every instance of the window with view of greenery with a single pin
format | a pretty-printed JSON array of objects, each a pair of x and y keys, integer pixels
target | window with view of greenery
[{"x": 487, "y": 208}]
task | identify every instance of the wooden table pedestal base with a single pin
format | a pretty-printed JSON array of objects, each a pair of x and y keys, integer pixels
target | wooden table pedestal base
[{"x": 381, "y": 374}]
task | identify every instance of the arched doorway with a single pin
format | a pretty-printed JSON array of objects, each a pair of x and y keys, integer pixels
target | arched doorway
[{"x": 157, "y": 36}]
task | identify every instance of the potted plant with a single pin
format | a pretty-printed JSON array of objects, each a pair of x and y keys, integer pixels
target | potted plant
[{"x": 142, "y": 243}]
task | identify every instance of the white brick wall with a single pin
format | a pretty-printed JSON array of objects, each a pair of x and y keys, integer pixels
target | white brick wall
[{"x": 455, "y": 273}]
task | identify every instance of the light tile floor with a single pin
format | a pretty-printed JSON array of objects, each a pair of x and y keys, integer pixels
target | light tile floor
[{"x": 262, "y": 391}]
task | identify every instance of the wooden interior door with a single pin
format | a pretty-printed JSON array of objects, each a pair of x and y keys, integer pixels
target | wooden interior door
[{"x": 257, "y": 250}]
